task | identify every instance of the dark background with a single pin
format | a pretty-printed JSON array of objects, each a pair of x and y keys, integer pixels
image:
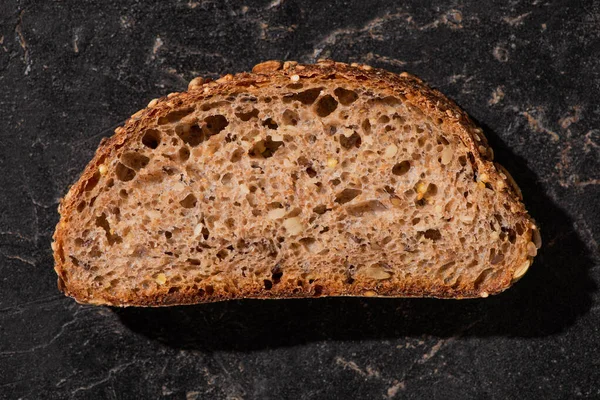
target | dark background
[{"x": 527, "y": 71}]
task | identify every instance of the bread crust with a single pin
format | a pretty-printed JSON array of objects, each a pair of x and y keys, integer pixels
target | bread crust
[{"x": 411, "y": 89}]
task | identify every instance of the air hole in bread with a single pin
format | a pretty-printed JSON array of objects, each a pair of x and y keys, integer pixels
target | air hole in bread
[
  {"x": 123, "y": 173},
  {"x": 102, "y": 222},
  {"x": 401, "y": 168},
  {"x": 442, "y": 140},
  {"x": 483, "y": 277},
  {"x": 192, "y": 135},
  {"x": 353, "y": 140},
  {"x": 310, "y": 244},
  {"x": 134, "y": 160},
  {"x": 519, "y": 228},
  {"x": 247, "y": 116},
  {"x": 347, "y": 195},
  {"x": 189, "y": 201},
  {"x": 215, "y": 124},
  {"x": 345, "y": 96},
  {"x": 326, "y": 105},
  {"x": 205, "y": 233},
  {"x": 321, "y": 209},
  {"x": 371, "y": 206},
  {"x": 222, "y": 254},
  {"x": 318, "y": 290},
  {"x": 432, "y": 234},
  {"x": 276, "y": 274},
  {"x": 81, "y": 206},
  {"x": 270, "y": 123},
  {"x": 236, "y": 155},
  {"x": 184, "y": 154},
  {"x": 226, "y": 178},
  {"x": 290, "y": 117},
  {"x": 92, "y": 182},
  {"x": 193, "y": 261},
  {"x": 306, "y": 97},
  {"x": 213, "y": 105},
  {"x": 496, "y": 257},
  {"x": 174, "y": 116},
  {"x": 366, "y": 126},
  {"x": 510, "y": 234},
  {"x": 384, "y": 119},
  {"x": 151, "y": 138},
  {"x": 264, "y": 148}
]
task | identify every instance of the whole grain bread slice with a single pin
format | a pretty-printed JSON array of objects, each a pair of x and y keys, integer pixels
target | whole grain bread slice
[{"x": 293, "y": 181}]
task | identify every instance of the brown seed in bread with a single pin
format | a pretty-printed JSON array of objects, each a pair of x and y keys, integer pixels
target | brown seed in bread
[{"x": 293, "y": 181}]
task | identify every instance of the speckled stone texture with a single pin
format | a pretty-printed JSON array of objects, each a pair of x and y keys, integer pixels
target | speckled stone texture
[{"x": 70, "y": 72}]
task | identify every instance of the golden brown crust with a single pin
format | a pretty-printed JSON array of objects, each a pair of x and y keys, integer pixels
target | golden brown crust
[{"x": 428, "y": 101}]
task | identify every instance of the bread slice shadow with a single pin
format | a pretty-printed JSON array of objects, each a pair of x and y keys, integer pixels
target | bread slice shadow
[{"x": 549, "y": 299}]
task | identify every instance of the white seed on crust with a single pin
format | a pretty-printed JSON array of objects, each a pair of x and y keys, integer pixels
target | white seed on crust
[
  {"x": 519, "y": 272},
  {"x": 531, "y": 249},
  {"x": 267, "y": 66},
  {"x": 225, "y": 78},
  {"x": 196, "y": 83}
]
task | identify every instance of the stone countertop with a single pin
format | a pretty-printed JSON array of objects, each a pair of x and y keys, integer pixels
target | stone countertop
[{"x": 528, "y": 72}]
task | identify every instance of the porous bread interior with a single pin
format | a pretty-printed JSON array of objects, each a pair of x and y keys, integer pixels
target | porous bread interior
[{"x": 307, "y": 189}]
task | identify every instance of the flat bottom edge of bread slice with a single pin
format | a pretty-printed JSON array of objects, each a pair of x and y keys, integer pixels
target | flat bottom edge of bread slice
[{"x": 293, "y": 181}]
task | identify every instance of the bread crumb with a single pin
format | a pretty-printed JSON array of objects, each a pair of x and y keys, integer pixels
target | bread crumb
[
  {"x": 244, "y": 189},
  {"x": 332, "y": 162},
  {"x": 447, "y": 155},
  {"x": 293, "y": 225},
  {"x": 277, "y": 213},
  {"x": 376, "y": 271},
  {"x": 390, "y": 151},
  {"x": 102, "y": 169}
]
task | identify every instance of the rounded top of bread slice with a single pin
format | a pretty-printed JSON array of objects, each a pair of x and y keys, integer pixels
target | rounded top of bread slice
[{"x": 293, "y": 181}]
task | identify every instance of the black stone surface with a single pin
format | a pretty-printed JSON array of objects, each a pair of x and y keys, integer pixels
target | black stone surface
[{"x": 528, "y": 71}]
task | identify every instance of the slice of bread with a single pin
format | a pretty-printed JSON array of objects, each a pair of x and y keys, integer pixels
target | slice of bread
[{"x": 293, "y": 181}]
